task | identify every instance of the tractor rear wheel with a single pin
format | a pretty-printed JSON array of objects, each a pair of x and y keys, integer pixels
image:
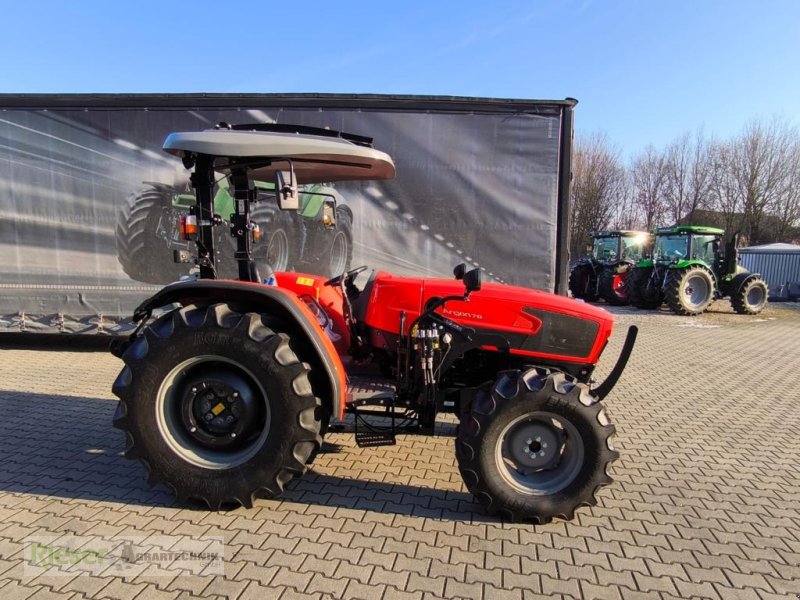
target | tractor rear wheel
[
  {"x": 751, "y": 298},
  {"x": 642, "y": 292},
  {"x": 535, "y": 445},
  {"x": 689, "y": 291},
  {"x": 146, "y": 225},
  {"x": 582, "y": 282},
  {"x": 613, "y": 286},
  {"x": 217, "y": 406}
]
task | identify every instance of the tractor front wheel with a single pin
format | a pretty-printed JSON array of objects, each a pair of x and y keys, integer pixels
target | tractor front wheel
[
  {"x": 146, "y": 226},
  {"x": 643, "y": 292},
  {"x": 689, "y": 291},
  {"x": 217, "y": 406},
  {"x": 535, "y": 445},
  {"x": 750, "y": 298}
]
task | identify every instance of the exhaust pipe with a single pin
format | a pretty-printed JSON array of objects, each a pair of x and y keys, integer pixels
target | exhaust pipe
[{"x": 602, "y": 390}]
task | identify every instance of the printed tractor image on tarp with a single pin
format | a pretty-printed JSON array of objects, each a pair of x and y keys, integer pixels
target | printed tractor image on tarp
[
  {"x": 605, "y": 272},
  {"x": 147, "y": 232},
  {"x": 690, "y": 269},
  {"x": 227, "y": 397},
  {"x": 86, "y": 189}
]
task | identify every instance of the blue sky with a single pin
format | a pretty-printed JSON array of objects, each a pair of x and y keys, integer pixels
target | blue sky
[{"x": 644, "y": 71}]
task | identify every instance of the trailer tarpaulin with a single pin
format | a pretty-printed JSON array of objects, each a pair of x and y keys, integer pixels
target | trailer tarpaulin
[{"x": 89, "y": 201}]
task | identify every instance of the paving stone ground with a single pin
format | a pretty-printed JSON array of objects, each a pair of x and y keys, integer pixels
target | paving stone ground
[{"x": 706, "y": 501}]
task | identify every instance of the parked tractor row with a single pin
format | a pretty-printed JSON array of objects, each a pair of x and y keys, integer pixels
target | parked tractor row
[{"x": 686, "y": 267}]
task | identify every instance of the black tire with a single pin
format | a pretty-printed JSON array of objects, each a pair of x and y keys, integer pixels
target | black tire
[
  {"x": 582, "y": 282},
  {"x": 750, "y": 298},
  {"x": 278, "y": 246},
  {"x": 217, "y": 406},
  {"x": 521, "y": 406},
  {"x": 144, "y": 226},
  {"x": 642, "y": 292},
  {"x": 689, "y": 291},
  {"x": 340, "y": 253},
  {"x": 613, "y": 286}
]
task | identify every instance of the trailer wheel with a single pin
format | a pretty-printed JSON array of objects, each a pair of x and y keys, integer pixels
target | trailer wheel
[
  {"x": 751, "y": 298},
  {"x": 145, "y": 226},
  {"x": 535, "y": 445},
  {"x": 217, "y": 406}
]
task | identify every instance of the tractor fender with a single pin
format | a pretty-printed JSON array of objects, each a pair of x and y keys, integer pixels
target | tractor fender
[
  {"x": 583, "y": 260},
  {"x": 276, "y": 302},
  {"x": 164, "y": 188},
  {"x": 346, "y": 209},
  {"x": 619, "y": 266},
  {"x": 740, "y": 280}
]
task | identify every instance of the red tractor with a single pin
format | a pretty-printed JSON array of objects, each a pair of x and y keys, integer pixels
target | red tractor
[{"x": 230, "y": 385}]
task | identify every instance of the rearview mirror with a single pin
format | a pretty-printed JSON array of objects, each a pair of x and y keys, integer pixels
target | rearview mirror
[
  {"x": 472, "y": 280},
  {"x": 286, "y": 190},
  {"x": 459, "y": 270}
]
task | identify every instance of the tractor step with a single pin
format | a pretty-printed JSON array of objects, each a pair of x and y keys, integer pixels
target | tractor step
[
  {"x": 366, "y": 439},
  {"x": 380, "y": 399}
]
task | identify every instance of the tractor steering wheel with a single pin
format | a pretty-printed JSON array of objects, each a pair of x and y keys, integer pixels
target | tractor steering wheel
[{"x": 345, "y": 276}]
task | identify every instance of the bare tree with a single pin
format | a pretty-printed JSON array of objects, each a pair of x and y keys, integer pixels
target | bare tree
[
  {"x": 598, "y": 181},
  {"x": 787, "y": 209},
  {"x": 624, "y": 214},
  {"x": 649, "y": 177},
  {"x": 688, "y": 175},
  {"x": 723, "y": 197},
  {"x": 750, "y": 183},
  {"x": 760, "y": 169}
]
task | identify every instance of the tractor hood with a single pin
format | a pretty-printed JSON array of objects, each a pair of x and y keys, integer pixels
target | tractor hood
[{"x": 531, "y": 322}]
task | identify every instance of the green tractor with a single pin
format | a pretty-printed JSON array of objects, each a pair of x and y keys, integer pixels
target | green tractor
[
  {"x": 147, "y": 232},
  {"x": 690, "y": 269},
  {"x": 604, "y": 272}
]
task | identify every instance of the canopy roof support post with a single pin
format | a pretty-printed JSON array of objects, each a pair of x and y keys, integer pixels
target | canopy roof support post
[
  {"x": 203, "y": 183},
  {"x": 244, "y": 192}
]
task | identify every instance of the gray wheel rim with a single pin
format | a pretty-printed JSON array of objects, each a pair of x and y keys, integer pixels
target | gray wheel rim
[
  {"x": 755, "y": 296},
  {"x": 695, "y": 291},
  {"x": 278, "y": 250},
  {"x": 338, "y": 262},
  {"x": 174, "y": 433},
  {"x": 543, "y": 466}
]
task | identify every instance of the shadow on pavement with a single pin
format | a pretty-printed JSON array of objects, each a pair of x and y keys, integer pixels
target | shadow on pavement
[{"x": 65, "y": 447}]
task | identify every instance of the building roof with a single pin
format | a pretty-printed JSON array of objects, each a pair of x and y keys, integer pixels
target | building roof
[{"x": 778, "y": 247}]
